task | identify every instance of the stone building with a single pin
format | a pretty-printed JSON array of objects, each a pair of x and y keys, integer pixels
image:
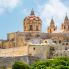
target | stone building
[
  {"x": 35, "y": 43},
  {"x": 52, "y": 27},
  {"x": 65, "y": 24},
  {"x": 32, "y": 33},
  {"x": 32, "y": 23}
]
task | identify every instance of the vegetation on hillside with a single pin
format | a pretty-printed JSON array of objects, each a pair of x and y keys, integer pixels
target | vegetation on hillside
[
  {"x": 55, "y": 63},
  {"x": 20, "y": 65}
]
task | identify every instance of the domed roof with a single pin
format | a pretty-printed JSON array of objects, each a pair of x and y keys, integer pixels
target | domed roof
[{"x": 32, "y": 17}]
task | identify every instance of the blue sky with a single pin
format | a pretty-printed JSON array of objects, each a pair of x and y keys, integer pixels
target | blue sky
[{"x": 12, "y": 13}]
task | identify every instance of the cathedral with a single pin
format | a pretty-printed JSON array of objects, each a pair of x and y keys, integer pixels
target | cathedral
[
  {"x": 32, "y": 30},
  {"x": 33, "y": 42}
]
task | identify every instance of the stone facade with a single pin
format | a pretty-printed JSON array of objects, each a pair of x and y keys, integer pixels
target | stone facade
[
  {"x": 52, "y": 27},
  {"x": 34, "y": 43},
  {"x": 65, "y": 24},
  {"x": 32, "y": 23}
]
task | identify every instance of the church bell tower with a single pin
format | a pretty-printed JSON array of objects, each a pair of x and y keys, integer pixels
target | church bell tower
[{"x": 52, "y": 27}]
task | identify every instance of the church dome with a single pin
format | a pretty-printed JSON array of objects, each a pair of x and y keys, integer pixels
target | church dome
[
  {"x": 32, "y": 23},
  {"x": 32, "y": 17}
]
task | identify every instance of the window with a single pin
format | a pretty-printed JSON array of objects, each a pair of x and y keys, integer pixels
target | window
[
  {"x": 59, "y": 41},
  {"x": 54, "y": 29},
  {"x": 54, "y": 41},
  {"x": 66, "y": 43},
  {"x": 36, "y": 28},
  {"x": 31, "y": 28},
  {"x": 64, "y": 27},
  {"x": 45, "y": 41},
  {"x": 33, "y": 48}
]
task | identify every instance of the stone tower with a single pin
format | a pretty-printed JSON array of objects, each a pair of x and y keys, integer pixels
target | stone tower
[
  {"x": 65, "y": 24},
  {"x": 52, "y": 27},
  {"x": 32, "y": 23}
]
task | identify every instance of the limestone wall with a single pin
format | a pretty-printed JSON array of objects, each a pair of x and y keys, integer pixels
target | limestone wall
[
  {"x": 40, "y": 51},
  {"x": 16, "y": 51}
]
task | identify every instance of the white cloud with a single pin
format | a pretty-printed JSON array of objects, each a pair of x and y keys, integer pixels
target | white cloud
[
  {"x": 54, "y": 8},
  {"x": 8, "y": 5}
]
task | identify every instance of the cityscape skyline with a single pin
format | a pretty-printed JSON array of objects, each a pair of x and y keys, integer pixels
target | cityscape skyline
[{"x": 13, "y": 12}]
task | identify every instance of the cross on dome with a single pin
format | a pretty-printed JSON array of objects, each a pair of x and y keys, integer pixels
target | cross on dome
[{"x": 32, "y": 12}]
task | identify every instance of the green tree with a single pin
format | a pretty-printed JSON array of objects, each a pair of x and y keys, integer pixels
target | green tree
[
  {"x": 55, "y": 63},
  {"x": 20, "y": 65}
]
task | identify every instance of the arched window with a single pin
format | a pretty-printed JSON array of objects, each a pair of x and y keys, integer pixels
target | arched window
[
  {"x": 59, "y": 41},
  {"x": 37, "y": 28},
  {"x": 31, "y": 28},
  {"x": 64, "y": 27},
  {"x": 54, "y": 29}
]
